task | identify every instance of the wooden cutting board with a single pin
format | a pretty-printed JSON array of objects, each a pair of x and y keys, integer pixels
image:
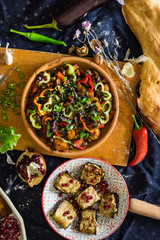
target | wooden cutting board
[{"x": 116, "y": 148}]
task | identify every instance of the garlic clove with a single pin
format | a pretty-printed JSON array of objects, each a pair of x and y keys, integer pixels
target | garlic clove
[
  {"x": 128, "y": 70},
  {"x": 8, "y": 58}
]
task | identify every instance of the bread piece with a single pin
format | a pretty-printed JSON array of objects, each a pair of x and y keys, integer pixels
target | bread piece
[
  {"x": 4, "y": 208},
  {"x": 143, "y": 18}
]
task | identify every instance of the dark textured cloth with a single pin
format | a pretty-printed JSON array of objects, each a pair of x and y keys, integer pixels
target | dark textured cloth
[{"x": 143, "y": 180}]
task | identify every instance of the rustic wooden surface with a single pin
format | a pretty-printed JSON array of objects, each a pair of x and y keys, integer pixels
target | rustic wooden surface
[{"x": 116, "y": 148}]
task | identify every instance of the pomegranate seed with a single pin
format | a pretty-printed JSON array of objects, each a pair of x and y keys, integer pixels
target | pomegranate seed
[
  {"x": 105, "y": 204},
  {"x": 65, "y": 214},
  {"x": 70, "y": 217},
  {"x": 66, "y": 184},
  {"x": 71, "y": 181},
  {"x": 83, "y": 197},
  {"x": 63, "y": 184},
  {"x": 94, "y": 170},
  {"x": 87, "y": 174},
  {"x": 88, "y": 218},
  {"x": 90, "y": 225},
  {"x": 92, "y": 181},
  {"x": 95, "y": 178},
  {"x": 60, "y": 194},
  {"x": 111, "y": 199},
  {"x": 87, "y": 200},
  {"x": 60, "y": 174},
  {"x": 68, "y": 212},
  {"x": 109, "y": 206},
  {"x": 90, "y": 197}
]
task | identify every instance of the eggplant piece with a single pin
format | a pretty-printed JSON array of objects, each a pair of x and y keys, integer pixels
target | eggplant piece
[
  {"x": 88, "y": 221},
  {"x": 109, "y": 205},
  {"x": 76, "y": 10},
  {"x": 65, "y": 214},
  {"x": 91, "y": 173},
  {"x": 68, "y": 184},
  {"x": 4, "y": 208},
  {"x": 87, "y": 197}
]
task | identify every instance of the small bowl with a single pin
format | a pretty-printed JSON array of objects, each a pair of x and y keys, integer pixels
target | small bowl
[
  {"x": 15, "y": 213},
  {"x": 106, "y": 131}
]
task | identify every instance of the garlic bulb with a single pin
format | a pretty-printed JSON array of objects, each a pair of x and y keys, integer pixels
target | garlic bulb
[{"x": 8, "y": 58}]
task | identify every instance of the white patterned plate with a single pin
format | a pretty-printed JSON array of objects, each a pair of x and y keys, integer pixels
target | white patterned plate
[{"x": 105, "y": 226}]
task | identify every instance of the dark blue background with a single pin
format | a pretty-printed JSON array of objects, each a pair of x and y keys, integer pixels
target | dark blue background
[{"x": 143, "y": 180}]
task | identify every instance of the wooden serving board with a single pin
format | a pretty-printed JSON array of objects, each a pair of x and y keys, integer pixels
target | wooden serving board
[{"x": 116, "y": 148}]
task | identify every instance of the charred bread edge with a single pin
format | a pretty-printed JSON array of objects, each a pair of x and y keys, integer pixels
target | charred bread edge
[
  {"x": 73, "y": 177},
  {"x": 77, "y": 227},
  {"x": 92, "y": 165},
  {"x": 55, "y": 208}
]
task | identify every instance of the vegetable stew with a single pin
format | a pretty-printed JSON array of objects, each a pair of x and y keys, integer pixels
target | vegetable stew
[{"x": 68, "y": 106}]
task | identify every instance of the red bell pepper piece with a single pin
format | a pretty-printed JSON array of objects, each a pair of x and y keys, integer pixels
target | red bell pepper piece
[
  {"x": 90, "y": 83},
  {"x": 78, "y": 144},
  {"x": 84, "y": 80},
  {"x": 62, "y": 123},
  {"x": 140, "y": 136}
]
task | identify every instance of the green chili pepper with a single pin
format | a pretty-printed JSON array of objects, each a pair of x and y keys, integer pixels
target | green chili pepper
[
  {"x": 33, "y": 121},
  {"x": 7, "y": 91},
  {"x": 21, "y": 76},
  {"x": 21, "y": 84},
  {"x": 18, "y": 98},
  {"x": 53, "y": 24},
  {"x": 4, "y": 117},
  {"x": 18, "y": 69},
  {"x": 39, "y": 38},
  {"x": 17, "y": 110},
  {"x": 7, "y": 104},
  {"x": 4, "y": 111},
  {"x": 13, "y": 105},
  {"x": 13, "y": 93},
  {"x": 12, "y": 85}
]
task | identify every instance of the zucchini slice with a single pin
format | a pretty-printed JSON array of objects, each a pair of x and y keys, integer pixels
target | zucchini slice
[
  {"x": 88, "y": 221},
  {"x": 91, "y": 174},
  {"x": 68, "y": 184},
  {"x": 65, "y": 214},
  {"x": 109, "y": 205},
  {"x": 87, "y": 197}
]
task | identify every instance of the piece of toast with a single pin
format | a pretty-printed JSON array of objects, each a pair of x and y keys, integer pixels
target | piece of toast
[{"x": 143, "y": 18}]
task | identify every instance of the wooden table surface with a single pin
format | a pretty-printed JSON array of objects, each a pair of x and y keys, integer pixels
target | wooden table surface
[{"x": 115, "y": 150}]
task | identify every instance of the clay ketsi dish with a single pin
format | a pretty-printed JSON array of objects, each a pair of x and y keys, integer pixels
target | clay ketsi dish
[{"x": 66, "y": 104}]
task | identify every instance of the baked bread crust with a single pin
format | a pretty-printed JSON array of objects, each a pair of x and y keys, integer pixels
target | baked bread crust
[{"x": 143, "y": 18}]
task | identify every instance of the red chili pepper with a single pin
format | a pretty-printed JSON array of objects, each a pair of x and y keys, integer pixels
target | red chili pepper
[
  {"x": 62, "y": 123},
  {"x": 90, "y": 83},
  {"x": 140, "y": 136},
  {"x": 78, "y": 144},
  {"x": 58, "y": 134},
  {"x": 84, "y": 80}
]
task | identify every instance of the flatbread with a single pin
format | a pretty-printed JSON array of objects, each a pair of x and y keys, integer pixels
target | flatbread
[{"x": 143, "y": 18}]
